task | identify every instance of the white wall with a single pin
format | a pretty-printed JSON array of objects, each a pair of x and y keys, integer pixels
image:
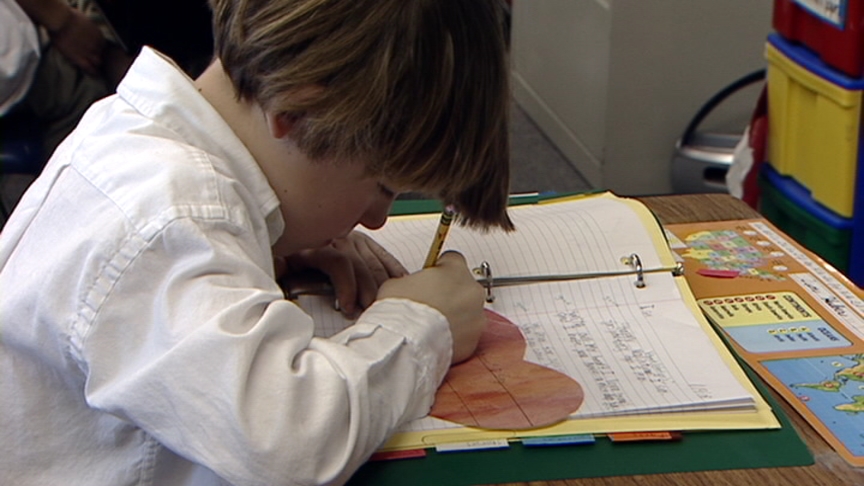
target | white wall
[{"x": 613, "y": 83}]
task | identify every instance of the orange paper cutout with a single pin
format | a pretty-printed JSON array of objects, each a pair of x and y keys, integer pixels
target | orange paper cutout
[{"x": 497, "y": 389}]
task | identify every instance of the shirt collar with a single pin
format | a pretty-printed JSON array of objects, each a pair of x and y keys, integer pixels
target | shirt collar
[{"x": 176, "y": 103}]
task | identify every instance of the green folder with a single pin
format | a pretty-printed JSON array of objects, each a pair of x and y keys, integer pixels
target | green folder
[{"x": 697, "y": 451}]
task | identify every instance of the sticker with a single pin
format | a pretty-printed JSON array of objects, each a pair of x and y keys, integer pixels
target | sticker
[{"x": 833, "y": 11}]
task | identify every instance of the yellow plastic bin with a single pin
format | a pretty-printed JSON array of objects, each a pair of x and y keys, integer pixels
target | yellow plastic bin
[{"x": 814, "y": 124}]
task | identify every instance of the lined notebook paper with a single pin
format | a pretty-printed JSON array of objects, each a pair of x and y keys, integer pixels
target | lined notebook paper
[{"x": 633, "y": 350}]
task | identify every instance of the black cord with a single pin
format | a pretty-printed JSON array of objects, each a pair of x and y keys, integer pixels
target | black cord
[{"x": 715, "y": 100}]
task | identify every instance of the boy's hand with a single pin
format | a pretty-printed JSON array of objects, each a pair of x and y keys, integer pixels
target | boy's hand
[
  {"x": 449, "y": 287},
  {"x": 356, "y": 266},
  {"x": 80, "y": 41}
]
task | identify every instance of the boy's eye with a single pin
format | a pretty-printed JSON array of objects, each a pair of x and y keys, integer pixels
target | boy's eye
[{"x": 386, "y": 190}]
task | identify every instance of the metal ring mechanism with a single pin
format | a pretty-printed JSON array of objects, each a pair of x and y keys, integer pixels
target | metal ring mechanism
[
  {"x": 484, "y": 271},
  {"x": 637, "y": 266}
]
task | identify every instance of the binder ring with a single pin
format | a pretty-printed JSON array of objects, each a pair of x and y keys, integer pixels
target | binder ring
[
  {"x": 485, "y": 273},
  {"x": 637, "y": 266}
]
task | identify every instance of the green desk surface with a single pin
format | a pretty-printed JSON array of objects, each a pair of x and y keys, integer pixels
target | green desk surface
[{"x": 422, "y": 206}]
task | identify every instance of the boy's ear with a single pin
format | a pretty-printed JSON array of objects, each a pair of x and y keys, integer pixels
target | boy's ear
[{"x": 280, "y": 124}]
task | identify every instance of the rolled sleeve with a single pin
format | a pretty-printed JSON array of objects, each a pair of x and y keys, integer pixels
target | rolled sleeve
[
  {"x": 416, "y": 333},
  {"x": 223, "y": 371}
]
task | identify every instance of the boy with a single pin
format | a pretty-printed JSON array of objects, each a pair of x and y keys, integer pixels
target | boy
[{"x": 143, "y": 337}]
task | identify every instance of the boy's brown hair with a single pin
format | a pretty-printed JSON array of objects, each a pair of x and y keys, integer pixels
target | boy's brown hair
[{"x": 417, "y": 89}]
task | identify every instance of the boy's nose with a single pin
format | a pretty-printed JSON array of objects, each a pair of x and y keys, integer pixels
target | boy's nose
[{"x": 376, "y": 215}]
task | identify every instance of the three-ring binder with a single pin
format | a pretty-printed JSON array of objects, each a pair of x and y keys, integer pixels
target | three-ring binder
[
  {"x": 316, "y": 283},
  {"x": 485, "y": 277}
]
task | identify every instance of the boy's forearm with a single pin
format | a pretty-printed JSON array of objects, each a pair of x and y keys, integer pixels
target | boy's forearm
[{"x": 51, "y": 14}]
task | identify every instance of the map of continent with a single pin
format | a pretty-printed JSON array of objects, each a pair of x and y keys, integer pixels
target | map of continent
[
  {"x": 845, "y": 375},
  {"x": 728, "y": 250},
  {"x": 832, "y": 388}
]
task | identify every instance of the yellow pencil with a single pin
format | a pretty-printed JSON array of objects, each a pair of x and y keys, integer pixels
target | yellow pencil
[{"x": 440, "y": 235}]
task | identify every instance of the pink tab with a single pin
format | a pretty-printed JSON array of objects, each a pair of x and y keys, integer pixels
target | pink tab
[
  {"x": 393, "y": 455},
  {"x": 707, "y": 272}
]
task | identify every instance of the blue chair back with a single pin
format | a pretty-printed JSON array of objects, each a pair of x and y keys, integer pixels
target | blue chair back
[
  {"x": 21, "y": 151},
  {"x": 20, "y": 145}
]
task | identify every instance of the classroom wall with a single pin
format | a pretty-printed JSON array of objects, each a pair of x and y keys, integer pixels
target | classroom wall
[{"x": 613, "y": 83}]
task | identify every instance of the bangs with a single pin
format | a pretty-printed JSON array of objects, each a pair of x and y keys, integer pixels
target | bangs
[{"x": 447, "y": 119}]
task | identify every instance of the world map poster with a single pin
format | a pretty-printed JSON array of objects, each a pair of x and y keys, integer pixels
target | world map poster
[
  {"x": 832, "y": 388},
  {"x": 793, "y": 318}
]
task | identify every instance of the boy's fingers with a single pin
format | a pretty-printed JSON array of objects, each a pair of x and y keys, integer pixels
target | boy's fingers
[
  {"x": 393, "y": 266},
  {"x": 451, "y": 257}
]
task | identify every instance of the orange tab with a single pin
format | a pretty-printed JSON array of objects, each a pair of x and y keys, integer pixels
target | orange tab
[{"x": 641, "y": 436}]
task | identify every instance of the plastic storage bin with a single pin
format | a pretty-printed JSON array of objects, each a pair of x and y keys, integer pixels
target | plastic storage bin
[
  {"x": 833, "y": 29},
  {"x": 787, "y": 204},
  {"x": 814, "y": 127},
  {"x": 856, "y": 258}
]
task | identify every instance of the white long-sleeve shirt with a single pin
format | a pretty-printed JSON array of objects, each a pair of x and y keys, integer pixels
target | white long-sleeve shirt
[
  {"x": 19, "y": 54},
  {"x": 143, "y": 339}
]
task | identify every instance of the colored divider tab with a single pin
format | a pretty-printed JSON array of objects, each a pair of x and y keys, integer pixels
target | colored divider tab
[
  {"x": 474, "y": 445},
  {"x": 394, "y": 455},
  {"x": 642, "y": 436},
  {"x": 558, "y": 440}
]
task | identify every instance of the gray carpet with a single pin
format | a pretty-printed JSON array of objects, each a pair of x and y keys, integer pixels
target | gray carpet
[{"x": 536, "y": 164}]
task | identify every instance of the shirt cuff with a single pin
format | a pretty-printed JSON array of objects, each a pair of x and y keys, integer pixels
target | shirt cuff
[{"x": 426, "y": 331}]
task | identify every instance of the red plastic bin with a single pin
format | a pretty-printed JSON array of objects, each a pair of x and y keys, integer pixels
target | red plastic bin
[{"x": 833, "y": 29}]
